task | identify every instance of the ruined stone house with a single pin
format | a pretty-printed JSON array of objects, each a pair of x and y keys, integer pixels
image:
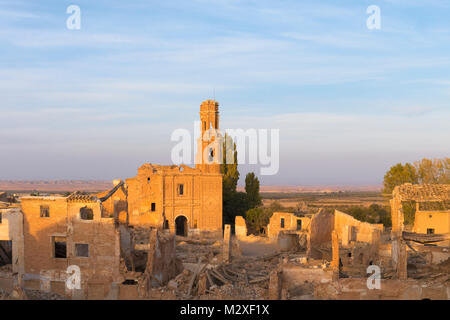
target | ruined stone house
[
  {"x": 424, "y": 237},
  {"x": 284, "y": 221},
  {"x": 64, "y": 231}
]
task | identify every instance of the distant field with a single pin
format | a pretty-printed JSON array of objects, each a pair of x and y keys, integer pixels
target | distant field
[
  {"x": 56, "y": 186},
  {"x": 319, "y": 199}
]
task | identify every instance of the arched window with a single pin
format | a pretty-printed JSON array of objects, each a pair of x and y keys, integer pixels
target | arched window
[{"x": 86, "y": 213}]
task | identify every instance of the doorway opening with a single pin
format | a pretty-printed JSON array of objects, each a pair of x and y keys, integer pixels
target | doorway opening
[
  {"x": 181, "y": 226},
  {"x": 5, "y": 252}
]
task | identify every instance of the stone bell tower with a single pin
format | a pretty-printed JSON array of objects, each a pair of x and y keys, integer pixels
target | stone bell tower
[{"x": 209, "y": 145}]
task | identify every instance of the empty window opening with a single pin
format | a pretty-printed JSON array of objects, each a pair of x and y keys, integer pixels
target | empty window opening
[
  {"x": 349, "y": 255},
  {"x": 211, "y": 155},
  {"x": 180, "y": 189},
  {"x": 282, "y": 223},
  {"x": 60, "y": 247},
  {"x": 130, "y": 282},
  {"x": 45, "y": 212},
  {"x": 5, "y": 252},
  {"x": 153, "y": 206},
  {"x": 0, "y": 217},
  {"x": 195, "y": 224},
  {"x": 81, "y": 250},
  {"x": 166, "y": 224},
  {"x": 353, "y": 232},
  {"x": 86, "y": 213},
  {"x": 148, "y": 179},
  {"x": 204, "y": 125},
  {"x": 299, "y": 224},
  {"x": 430, "y": 231}
]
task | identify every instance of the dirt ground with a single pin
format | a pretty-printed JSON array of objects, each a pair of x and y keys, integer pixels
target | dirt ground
[{"x": 256, "y": 246}]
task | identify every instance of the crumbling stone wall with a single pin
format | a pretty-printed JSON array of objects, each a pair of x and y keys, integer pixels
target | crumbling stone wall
[
  {"x": 290, "y": 223},
  {"x": 363, "y": 231},
  {"x": 240, "y": 227},
  {"x": 357, "y": 289},
  {"x": 115, "y": 205},
  {"x": 11, "y": 229},
  {"x": 162, "y": 263},
  {"x": 322, "y": 225}
]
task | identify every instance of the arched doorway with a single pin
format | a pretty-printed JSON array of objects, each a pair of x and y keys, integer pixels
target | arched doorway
[{"x": 181, "y": 226}]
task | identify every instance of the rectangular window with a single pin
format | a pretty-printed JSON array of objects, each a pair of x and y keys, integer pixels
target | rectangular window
[
  {"x": 45, "y": 212},
  {"x": 153, "y": 206},
  {"x": 353, "y": 233},
  {"x": 282, "y": 223},
  {"x": 0, "y": 217},
  {"x": 180, "y": 189},
  {"x": 81, "y": 250},
  {"x": 299, "y": 224},
  {"x": 60, "y": 247},
  {"x": 430, "y": 231}
]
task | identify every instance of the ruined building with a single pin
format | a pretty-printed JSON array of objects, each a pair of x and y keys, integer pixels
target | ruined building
[
  {"x": 182, "y": 199},
  {"x": 122, "y": 239}
]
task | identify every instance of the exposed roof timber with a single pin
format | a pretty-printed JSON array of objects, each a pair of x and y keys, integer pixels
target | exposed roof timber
[{"x": 422, "y": 192}]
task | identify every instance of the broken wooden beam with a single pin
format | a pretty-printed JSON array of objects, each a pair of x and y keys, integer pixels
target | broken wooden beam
[{"x": 424, "y": 238}]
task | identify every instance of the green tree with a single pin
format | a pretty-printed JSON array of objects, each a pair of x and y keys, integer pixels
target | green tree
[
  {"x": 234, "y": 203},
  {"x": 425, "y": 171},
  {"x": 257, "y": 219},
  {"x": 433, "y": 171},
  {"x": 252, "y": 190},
  {"x": 398, "y": 175}
]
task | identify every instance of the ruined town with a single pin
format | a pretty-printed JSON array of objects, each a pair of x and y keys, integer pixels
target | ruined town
[{"x": 163, "y": 235}]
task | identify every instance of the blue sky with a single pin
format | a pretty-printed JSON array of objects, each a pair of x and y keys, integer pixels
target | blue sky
[{"x": 96, "y": 103}]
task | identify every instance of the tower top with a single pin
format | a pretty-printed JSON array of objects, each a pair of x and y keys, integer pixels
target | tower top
[{"x": 209, "y": 105}]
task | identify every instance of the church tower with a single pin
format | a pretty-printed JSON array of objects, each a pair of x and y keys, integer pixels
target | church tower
[{"x": 209, "y": 144}]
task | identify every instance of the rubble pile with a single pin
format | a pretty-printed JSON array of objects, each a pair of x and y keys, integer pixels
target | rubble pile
[
  {"x": 209, "y": 277},
  {"x": 192, "y": 251}
]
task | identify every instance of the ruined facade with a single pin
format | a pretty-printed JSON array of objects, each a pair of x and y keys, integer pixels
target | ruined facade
[
  {"x": 64, "y": 231},
  {"x": 182, "y": 199},
  {"x": 284, "y": 221},
  {"x": 350, "y": 229},
  {"x": 437, "y": 193}
]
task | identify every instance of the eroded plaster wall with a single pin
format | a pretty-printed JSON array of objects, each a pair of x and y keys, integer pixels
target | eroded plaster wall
[
  {"x": 154, "y": 196},
  {"x": 363, "y": 231},
  {"x": 290, "y": 223},
  {"x": 11, "y": 229},
  {"x": 99, "y": 264},
  {"x": 439, "y": 221}
]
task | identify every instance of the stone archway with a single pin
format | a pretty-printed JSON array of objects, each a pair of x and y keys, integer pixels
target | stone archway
[{"x": 181, "y": 226}]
